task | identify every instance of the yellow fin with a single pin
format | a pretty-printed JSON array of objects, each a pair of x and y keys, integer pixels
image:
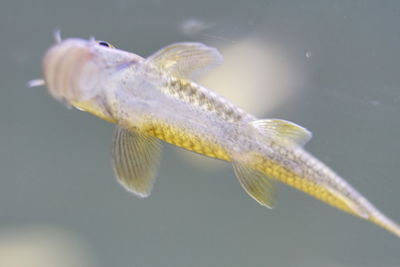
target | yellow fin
[
  {"x": 284, "y": 130},
  {"x": 135, "y": 160},
  {"x": 255, "y": 183},
  {"x": 186, "y": 59}
]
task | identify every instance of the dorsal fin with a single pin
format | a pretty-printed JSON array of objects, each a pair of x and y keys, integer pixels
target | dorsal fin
[
  {"x": 186, "y": 59},
  {"x": 286, "y": 131}
]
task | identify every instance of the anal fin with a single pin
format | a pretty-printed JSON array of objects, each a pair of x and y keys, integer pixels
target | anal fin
[{"x": 256, "y": 184}]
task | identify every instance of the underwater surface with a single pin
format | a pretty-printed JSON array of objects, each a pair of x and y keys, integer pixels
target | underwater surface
[{"x": 330, "y": 66}]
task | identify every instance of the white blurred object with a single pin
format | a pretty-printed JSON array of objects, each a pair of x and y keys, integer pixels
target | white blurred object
[
  {"x": 43, "y": 246},
  {"x": 193, "y": 27},
  {"x": 255, "y": 76}
]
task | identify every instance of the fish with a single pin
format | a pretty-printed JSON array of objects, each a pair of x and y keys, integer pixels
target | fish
[{"x": 156, "y": 99}]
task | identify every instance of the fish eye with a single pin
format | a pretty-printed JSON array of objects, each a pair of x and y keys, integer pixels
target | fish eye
[{"x": 106, "y": 44}]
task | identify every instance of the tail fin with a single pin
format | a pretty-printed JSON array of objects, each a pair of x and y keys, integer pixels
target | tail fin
[
  {"x": 255, "y": 171},
  {"x": 384, "y": 222}
]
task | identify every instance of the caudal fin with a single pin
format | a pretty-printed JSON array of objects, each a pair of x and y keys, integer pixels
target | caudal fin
[{"x": 386, "y": 223}]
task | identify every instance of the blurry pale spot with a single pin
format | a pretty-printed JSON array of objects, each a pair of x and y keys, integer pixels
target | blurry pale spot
[
  {"x": 308, "y": 54},
  {"x": 36, "y": 82},
  {"x": 44, "y": 247},
  {"x": 254, "y": 76},
  {"x": 375, "y": 102},
  {"x": 193, "y": 27}
]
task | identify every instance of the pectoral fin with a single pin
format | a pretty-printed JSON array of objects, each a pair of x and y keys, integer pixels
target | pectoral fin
[
  {"x": 255, "y": 183},
  {"x": 135, "y": 160},
  {"x": 286, "y": 131},
  {"x": 186, "y": 59}
]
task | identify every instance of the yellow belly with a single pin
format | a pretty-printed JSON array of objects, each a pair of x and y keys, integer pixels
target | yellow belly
[
  {"x": 196, "y": 143},
  {"x": 185, "y": 139},
  {"x": 281, "y": 173}
]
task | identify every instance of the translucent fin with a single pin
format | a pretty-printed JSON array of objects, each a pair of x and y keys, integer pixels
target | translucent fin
[
  {"x": 135, "y": 160},
  {"x": 256, "y": 184},
  {"x": 286, "y": 130},
  {"x": 57, "y": 36},
  {"x": 186, "y": 59},
  {"x": 383, "y": 221},
  {"x": 35, "y": 83}
]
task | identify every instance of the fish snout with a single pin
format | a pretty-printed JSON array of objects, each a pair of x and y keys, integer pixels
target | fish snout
[{"x": 70, "y": 70}]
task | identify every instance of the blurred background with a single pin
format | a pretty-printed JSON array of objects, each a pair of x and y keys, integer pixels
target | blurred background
[{"x": 330, "y": 66}]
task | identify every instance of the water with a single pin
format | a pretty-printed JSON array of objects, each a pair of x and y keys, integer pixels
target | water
[{"x": 339, "y": 78}]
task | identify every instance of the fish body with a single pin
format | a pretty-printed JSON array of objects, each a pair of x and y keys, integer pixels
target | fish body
[{"x": 152, "y": 99}]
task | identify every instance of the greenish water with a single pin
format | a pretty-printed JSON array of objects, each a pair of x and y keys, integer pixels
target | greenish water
[{"x": 55, "y": 163}]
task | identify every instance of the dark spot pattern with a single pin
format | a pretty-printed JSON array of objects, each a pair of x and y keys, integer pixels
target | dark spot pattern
[{"x": 196, "y": 95}]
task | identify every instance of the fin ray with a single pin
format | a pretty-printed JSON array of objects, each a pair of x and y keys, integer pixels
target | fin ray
[
  {"x": 255, "y": 183},
  {"x": 285, "y": 130},
  {"x": 186, "y": 59},
  {"x": 135, "y": 160}
]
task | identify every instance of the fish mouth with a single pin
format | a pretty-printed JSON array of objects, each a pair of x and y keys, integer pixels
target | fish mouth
[{"x": 64, "y": 66}]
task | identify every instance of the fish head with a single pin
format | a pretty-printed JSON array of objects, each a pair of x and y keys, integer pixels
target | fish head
[{"x": 78, "y": 72}]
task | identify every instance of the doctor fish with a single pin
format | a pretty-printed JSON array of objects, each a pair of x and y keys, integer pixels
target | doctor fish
[{"x": 153, "y": 99}]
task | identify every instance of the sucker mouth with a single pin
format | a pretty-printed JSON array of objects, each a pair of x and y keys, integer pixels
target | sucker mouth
[{"x": 62, "y": 67}]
